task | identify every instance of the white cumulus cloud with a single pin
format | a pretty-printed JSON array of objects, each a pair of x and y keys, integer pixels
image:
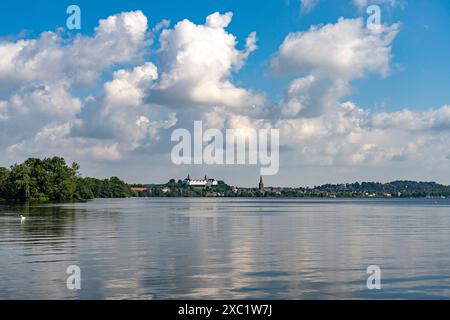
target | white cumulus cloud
[{"x": 196, "y": 65}]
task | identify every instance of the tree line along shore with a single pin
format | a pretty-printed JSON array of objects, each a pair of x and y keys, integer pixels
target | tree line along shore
[{"x": 52, "y": 179}]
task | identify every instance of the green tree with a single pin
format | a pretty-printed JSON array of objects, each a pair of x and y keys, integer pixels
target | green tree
[
  {"x": 19, "y": 182},
  {"x": 62, "y": 178},
  {"x": 4, "y": 178}
]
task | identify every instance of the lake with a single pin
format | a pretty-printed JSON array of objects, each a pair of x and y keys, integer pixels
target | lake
[{"x": 188, "y": 248}]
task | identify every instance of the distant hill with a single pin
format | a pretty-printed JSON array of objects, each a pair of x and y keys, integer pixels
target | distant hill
[{"x": 394, "y": 188}]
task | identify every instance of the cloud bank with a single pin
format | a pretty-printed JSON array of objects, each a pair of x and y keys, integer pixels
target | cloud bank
[{"x": 98, "y": 99}]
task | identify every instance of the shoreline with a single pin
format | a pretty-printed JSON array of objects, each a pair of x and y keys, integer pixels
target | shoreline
[{"x": 18, "y": 203}]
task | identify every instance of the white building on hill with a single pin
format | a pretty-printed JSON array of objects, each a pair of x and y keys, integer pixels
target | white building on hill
[{"x": 200, "y": 182}]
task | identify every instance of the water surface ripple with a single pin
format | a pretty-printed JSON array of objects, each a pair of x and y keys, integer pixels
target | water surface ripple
[{"x": 226, "y": 249}]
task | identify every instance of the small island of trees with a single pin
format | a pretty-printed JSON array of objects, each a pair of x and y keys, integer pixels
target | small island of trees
[{"x": 52, "y": 179}]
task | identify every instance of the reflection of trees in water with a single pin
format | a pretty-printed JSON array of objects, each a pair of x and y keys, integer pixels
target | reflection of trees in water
[{"x": 51, "y": 221}]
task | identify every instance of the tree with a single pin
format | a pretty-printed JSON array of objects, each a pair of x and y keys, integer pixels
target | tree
[
  {"x": 4, "y": 177},
  {"x": 84, "y": 189},
  {"x": 19, "y": 182}
]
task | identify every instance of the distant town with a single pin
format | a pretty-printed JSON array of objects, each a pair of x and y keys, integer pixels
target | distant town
[{"x": 210, "y": 187}]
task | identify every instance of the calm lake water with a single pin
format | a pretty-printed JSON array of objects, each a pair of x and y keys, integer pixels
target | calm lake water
[{"x": 226, "y": 249}]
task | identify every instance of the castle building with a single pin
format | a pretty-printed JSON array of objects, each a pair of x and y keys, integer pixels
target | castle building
[{"x": 200, "y": 182}]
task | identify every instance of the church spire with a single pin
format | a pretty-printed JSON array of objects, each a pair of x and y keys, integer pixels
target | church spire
[{"x": 261, "y": 184}]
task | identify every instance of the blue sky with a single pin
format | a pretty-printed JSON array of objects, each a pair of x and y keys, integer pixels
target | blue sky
[
  {"x": 339, "y": 122},
  {"x": 421, "y": 50}
]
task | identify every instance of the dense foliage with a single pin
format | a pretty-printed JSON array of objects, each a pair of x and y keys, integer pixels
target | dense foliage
[{"x": 51, "y": 179}]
